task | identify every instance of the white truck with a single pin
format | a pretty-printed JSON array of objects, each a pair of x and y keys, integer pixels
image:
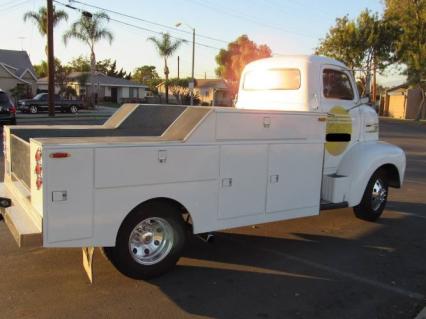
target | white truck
[{"x": 299, "y": 140}]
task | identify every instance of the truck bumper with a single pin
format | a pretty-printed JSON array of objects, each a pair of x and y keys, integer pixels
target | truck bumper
[{"x": 23, "y": 228}]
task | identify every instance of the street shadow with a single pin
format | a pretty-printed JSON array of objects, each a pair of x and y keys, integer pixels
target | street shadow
[
  {"x": 255, "y": 276},
  {"x": 407, "y": 207}
]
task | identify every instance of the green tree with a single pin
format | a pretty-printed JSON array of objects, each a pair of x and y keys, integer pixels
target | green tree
[
  {"x": 366, "y": 43},
  {"x": 41, "y": 70},
  {"x": 147, "y": 74},
  {"x": 39, "y": 18},
  {"x": 410, "y": 15},
  {"x": 80, "y": 64},
  {"x": 90, "y": 30},
  {"x": 166, "y": 47},
  {"x": 231, "y": 61}
]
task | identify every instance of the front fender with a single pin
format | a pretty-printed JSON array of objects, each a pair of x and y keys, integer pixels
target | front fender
[{"x": 363, "y": 159}]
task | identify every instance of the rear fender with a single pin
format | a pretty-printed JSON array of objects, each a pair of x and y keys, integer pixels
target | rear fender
[{"x": 363, "y": 159}]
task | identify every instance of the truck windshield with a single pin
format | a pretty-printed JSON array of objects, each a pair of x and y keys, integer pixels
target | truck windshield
[{"x": 272, "y": 79}]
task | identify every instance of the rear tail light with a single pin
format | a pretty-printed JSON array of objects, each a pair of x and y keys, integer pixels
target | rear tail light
[
  {"x": 12, "y": 109},
  {"x": 38, "y": 169}
]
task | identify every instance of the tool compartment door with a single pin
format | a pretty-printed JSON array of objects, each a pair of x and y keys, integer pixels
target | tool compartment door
[
  {"x": 295, "y": 172},
  {"x": 242, "y": 183},
  {"x": 68, "y": 195}
]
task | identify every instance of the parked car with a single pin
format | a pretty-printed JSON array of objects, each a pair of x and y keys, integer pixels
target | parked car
[
  {"x": 39, "y": 103},
  {"x": 7, "y": 109}
]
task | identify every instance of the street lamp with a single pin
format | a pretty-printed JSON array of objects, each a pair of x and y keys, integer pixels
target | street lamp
[{"x": 193, "y": 58}]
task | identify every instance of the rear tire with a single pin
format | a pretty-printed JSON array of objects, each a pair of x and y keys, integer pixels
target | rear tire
[
  {"x": 149, "y": 242},
  {"x": 73, "y": 109},
  {"x": 33, "y": 109},
  {"x": 374, "y": 199}
]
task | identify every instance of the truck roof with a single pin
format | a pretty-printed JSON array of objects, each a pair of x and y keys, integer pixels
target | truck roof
[{"x": 293, "y": 61}]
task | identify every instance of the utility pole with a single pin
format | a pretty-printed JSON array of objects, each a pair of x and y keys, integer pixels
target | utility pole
[
  {"x": 50, "y": 59},
  {"x": 193, "y": 61},
  {"x": 192, "y": 85},
  {"x": 178, "y": 66}
]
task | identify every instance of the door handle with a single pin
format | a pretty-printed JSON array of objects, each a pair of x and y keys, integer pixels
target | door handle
[
  {"x": 274, "y": 179},
  {"x": 226, "y": 182},
  {"x": 162, "y": 156}
]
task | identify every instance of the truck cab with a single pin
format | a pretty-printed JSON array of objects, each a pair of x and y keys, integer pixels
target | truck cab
[{"x": 324, "y": 85}]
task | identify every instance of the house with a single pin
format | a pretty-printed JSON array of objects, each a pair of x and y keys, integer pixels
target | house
[
  {"x": 401, "y": 102},
  {"x": 210, "y": 92},
  {"x": 107, "y": 88},
  {"x": 17, "y": 73},
  {"x": 213, "y": 92}
]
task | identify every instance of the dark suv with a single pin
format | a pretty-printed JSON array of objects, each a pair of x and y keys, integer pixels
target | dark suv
[{"x": 7, "y": 110}]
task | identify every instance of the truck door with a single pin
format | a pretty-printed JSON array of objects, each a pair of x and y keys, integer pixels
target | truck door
[{"x": 338, "y": 98}]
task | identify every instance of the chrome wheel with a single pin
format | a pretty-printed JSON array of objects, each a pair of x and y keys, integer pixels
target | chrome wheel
[
  {"x": 379, "y": 193},
  {"x": 33, "y": 109},
  {"x": 151, "y": 241}
]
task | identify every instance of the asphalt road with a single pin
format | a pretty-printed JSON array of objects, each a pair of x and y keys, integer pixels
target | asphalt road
[{"x": 329, "y": 266}]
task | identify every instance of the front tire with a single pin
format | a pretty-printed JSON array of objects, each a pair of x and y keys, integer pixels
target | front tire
[
  {"x": 149, "y": 242},
  {"x": 374, "y": 199}
]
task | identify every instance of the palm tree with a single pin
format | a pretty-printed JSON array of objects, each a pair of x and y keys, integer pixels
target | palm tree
[
  {"x": 40, "y": 19},
  {"x": 166, "y": 48},
  {"x": 90, "y": 30}
]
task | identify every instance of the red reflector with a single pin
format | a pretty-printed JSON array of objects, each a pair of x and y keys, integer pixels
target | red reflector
[
  {"x": 38, "y": 155},
  {"x": 38, "y": 169},
  {"x": 39, "y": 182},
  {"x": 59, "y": 155}
]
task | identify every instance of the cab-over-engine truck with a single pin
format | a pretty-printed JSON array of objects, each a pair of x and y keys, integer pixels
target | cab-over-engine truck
[{"x": 299, "y": 140}]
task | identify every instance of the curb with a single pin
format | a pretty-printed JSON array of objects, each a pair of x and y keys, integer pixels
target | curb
[{"x": 421, "y": 314}]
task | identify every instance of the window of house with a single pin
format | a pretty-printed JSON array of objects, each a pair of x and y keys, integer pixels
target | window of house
[
  {"x": 337, "y": 85},
  {"x": 272, "y": 79}
]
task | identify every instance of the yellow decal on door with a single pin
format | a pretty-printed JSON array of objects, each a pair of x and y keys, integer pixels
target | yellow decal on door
[{"x": 338, "y": 122}]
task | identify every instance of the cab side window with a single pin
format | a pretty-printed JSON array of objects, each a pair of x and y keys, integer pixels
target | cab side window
[{"x": 337, "y": 85}]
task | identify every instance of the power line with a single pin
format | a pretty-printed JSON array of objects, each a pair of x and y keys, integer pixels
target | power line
[
  {"x": 250, "y": 19},
  {"x": 15, "y": 5},
  {"x": 147, "y": 21},
  {"x": 7, "y": 3},
  {"x": 142, "y": 28}
]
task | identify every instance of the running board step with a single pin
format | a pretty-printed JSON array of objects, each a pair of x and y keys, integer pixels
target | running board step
[
  {"x": 330, "y": 205},
  {"x": 22, "y": 228}
]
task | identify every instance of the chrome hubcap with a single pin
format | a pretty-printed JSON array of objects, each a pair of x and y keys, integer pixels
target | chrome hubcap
[
  {"x": 73, "y": 109},
  {"x": 379, "y": 195},
  {"x": 151, "y": 241}
]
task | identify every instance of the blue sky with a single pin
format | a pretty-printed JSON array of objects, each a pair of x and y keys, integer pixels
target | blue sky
[{"x": 287, "y": 26}]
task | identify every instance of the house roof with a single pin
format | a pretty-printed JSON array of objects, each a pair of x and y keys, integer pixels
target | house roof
[
  {"x": 101, "y": 79},
  {"x": 19, "y": 61},
  {"x": 401, "y": 87}
]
